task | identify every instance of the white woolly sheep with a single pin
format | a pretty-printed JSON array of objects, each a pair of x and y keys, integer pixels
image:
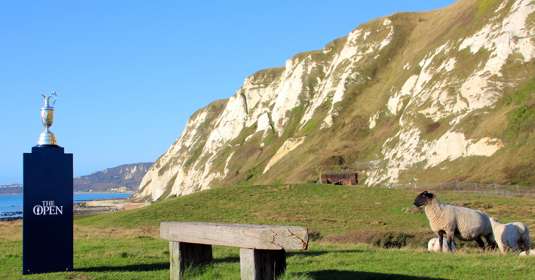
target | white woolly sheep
[
  {"x": 454, "y": 221},
  {"x": 511, "y": 236},
  {"x": 434, "y": 246},
  {"x": 527, "y": 253}
]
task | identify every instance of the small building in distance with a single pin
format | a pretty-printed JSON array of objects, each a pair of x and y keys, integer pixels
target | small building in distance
[{"x": 340, "y": 178}]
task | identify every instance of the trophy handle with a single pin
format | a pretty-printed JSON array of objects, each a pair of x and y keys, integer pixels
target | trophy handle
[
  {"x": 49, "y": 100},
  {"x": 55, "y": 98}
]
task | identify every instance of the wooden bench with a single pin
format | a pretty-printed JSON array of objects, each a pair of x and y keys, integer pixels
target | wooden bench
[{"x": 262, "y": 247}]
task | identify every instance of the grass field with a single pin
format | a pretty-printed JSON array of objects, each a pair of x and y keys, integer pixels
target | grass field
[{"x": 354, "y": 230}]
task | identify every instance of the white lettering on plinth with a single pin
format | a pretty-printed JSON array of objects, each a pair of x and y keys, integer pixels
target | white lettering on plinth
[{"x": 47, "y": 208}]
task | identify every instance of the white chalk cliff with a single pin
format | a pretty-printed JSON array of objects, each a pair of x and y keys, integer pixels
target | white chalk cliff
[{"x": 417, "y": 94}]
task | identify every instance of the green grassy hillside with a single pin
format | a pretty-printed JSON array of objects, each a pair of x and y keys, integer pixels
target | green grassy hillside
[
  {"x": 332, "y": 213},
  {"x": 355, "y": 234},
  {"x": 126, "y": 245},
  {"x": 147, "y": 259},
  {"x": 325, "y": 209}
]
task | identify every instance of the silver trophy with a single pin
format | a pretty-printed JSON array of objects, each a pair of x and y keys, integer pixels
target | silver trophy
[{"x": 47, "y": 118}]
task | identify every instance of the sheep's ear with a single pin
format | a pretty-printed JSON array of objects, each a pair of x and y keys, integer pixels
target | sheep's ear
[{"x": 429, "y": 195}]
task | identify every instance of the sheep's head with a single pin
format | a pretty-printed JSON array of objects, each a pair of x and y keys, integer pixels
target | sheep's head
[{"x": 423, "y": 199}]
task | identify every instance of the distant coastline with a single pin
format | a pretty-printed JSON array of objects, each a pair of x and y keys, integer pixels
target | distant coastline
[
  {"x": 119, "y": 179},
  {"x": 18, "y": 190},
  {"x": 84, "y": 203},
  {"x": 129, "y": 192},
  {"x": 11, "y": 189}
]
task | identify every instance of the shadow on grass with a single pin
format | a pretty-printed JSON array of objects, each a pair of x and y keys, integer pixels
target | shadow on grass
[
  {"x": 226, "y": 260},
  {"x": 319, "y": 253},
  {"x": 147, "y": 267},
  {"x": 361, "y": 275},
  {"x": 125, "y": 268}
]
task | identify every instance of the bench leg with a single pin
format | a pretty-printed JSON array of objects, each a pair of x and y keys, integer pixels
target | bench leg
[
  {"x": 183, "y": 255},
  {"x": 262, "y": 264}
]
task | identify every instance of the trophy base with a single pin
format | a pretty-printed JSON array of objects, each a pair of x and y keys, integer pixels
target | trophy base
[{"x": 47, "y": 138}]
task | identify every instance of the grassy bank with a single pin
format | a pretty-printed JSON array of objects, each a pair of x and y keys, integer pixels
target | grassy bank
[
  {"x": 125, "y": 245},
  {"x": 332, "y": 213},
  {"x": 147, "y": 258}
]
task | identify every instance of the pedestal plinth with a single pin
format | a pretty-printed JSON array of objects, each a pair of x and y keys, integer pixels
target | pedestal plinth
[{"x": 47, "y": 210}]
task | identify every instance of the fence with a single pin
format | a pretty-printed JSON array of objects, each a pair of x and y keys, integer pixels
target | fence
[{"x": 471, "y": 187}]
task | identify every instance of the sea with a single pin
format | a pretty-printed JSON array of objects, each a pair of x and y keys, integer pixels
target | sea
[{"x": 11, "y": 204}]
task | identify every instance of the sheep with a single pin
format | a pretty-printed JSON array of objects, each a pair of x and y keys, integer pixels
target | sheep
[
  {"x": 527, "y": 253},
  {"x": 511, "y": 236},
  {"x": 464, "y": 223},
  {"x": 434, "y": 246}
]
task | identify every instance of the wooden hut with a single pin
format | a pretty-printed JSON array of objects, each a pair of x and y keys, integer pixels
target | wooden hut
[{"x": 340, "y": 178}]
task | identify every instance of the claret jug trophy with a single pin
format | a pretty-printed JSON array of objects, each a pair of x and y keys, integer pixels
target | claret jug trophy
[{"x": 47, "y": 118}]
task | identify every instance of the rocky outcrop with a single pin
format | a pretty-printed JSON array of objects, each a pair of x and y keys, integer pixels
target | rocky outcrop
[
  {"x": 414, "y": 94},
  {"x": 120, "y": 178}
]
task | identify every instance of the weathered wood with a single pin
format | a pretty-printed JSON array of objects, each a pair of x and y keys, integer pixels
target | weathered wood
[
  {"x": 174, "y": 261},
  {"x": 262, "y": 247},
  {"x": 262, "y": 264},
  {"x": 183, "y": 255},
  {"x": 262, "y": 237}
]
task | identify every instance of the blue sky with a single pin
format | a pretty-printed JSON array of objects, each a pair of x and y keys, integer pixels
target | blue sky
[{"x": 129, "y": 73}]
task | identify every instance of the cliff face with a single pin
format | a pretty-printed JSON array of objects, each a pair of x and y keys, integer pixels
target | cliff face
[
  {"x": 431, "y": 97},
  {"x": 124, "y": 177}
]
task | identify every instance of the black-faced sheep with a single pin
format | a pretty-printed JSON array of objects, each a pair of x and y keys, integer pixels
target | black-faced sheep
[
  {"x": 511, "y": 236},
  {"x": 455, "y": 221}
]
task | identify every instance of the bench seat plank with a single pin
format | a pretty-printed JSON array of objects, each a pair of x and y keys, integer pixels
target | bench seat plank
[{"x": 262, "y": 237}]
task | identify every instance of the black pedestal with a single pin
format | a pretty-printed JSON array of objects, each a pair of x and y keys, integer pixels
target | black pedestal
[{"x": 48, "y": 208}]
